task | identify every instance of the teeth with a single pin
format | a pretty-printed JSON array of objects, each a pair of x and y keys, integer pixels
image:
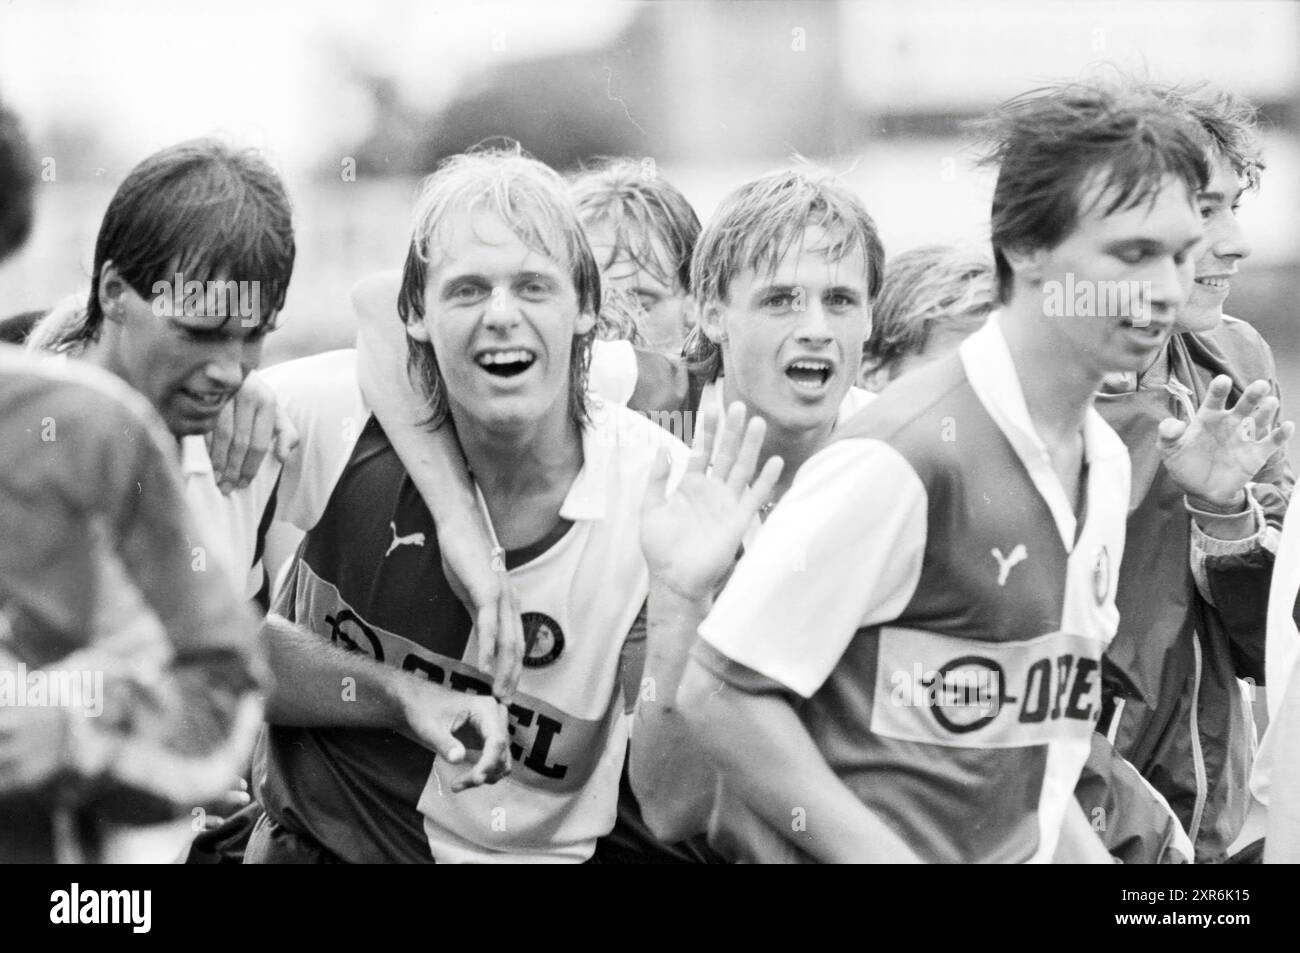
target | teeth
[
  {"x": 505, "y": 357},
  {"x": 811, "y": 366},
  {"x": 1213, "y": 282}
]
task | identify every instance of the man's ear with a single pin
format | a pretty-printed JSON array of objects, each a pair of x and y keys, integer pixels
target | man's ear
[
  {"x": 416, "y": 330},
  {"x": 1027, "y": 266},
  {"x": 713, "y": 321},
  {"x": 112, "y": 289}
]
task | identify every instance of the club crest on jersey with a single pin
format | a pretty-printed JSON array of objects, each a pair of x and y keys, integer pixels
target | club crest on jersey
[
  {"x": 543, "y": 639},
  {"x": 1101, "y": 576}
]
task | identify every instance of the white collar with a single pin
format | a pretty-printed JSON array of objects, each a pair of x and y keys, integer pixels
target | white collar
[
  {"x": 194, "y": 456},
  {"x": 992, "y": 375}
]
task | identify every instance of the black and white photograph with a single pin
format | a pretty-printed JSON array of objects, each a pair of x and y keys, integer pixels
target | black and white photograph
[{"x": 650, "y": 432}]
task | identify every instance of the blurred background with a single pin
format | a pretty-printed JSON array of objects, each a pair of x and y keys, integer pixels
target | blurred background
[{"x": 356, "y": 101}]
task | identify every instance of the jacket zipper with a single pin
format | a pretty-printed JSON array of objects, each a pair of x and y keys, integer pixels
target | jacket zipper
[{"x": 1198, "y": 756}]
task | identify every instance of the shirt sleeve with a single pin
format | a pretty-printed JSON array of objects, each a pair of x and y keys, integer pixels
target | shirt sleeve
[
  {"x": 843, "y": 550},
  {"x": 322, "y": 398}
]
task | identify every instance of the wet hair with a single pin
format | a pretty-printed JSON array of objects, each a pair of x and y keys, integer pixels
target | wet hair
[
  {"x": 757, "y": 224},
  {"x": 652, "y": 223},
  {"x": 17, "y": 184},
  {"x": 205, "y": 210},
  {"x": 1051, "y": 145},
  {"x": 531, "y": 198},
  {"x": 932, "y": 288}
]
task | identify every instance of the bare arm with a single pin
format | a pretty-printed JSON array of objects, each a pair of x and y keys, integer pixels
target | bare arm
[
  {"x": 772, "y": 764},
  {"x": 690, "y": 538},
  {"x": 433, "y": 459},
  {"x": 319, "y": 684}
]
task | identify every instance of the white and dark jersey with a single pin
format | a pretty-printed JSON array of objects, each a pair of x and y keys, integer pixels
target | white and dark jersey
[
  {"x": 925, "y": 588},
  {"x": 369, "y": 577}
]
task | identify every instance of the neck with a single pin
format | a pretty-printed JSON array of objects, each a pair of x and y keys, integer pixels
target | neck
[
  {"x": 793, "y": 445},
  {"x": 513, "y": 463},
  {"x": 1058, "y": 391}
]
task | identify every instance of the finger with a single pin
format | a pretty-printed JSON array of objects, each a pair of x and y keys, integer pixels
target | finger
[
  {"x": 1280, "y": 436},
  {"x": 442, "y": 740},
  {"x": 286, "y": 435},
  {"x": 1170, "y": 432},
  {"x": 1250, "y": 398},
  {"x": 493, "y": 761},
  {"x": 760, "y": 491},
  {"x": 510, "y": 645},
  {"x": 727, "y": 443},
  {"x": 747, "y": 459},
  {"x": 245, "y": 417},
  {"x": 702, "y": 446},
  {"x": 222, "y": 434},
  {"x": 258, "y": 446},
  {"x": 1264, "y": 414},
  {"x": 1216, "y": 396}
]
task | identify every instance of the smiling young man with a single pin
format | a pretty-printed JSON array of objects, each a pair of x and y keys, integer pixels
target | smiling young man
[
  {"x": 498, "y": 299},
  {"x": 1193, "y": 588},
  {"x": 905, "y": 665}
]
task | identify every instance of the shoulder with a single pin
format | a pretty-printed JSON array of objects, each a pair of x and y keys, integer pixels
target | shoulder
[
  {"x": 1238, "y": 346},
  {"x": 919, "y": 401}
]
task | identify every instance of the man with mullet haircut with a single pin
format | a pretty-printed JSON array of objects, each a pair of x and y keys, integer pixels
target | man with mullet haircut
[{"x": 498, "y": 301}]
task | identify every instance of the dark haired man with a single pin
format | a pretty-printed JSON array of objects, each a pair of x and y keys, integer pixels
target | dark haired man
[
  {"x": 1202, "y": 534},
  {"x": 959, "y": 542}
]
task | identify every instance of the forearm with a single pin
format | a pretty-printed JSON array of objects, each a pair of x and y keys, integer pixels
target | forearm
[
  {"x": 769, "y": 761},
  {"x": 319, "y": 684},
  {"x": 671, "y": 774},
  {"x": 432, "y": 457}
]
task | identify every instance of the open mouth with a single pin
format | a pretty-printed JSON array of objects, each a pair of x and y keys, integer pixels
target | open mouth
[
  {"x": 809, "y": 373},
  {"x": 207, "y": 399},
  {"x": 506, "y": 363},
  {"x": 1215, "y": 284}
]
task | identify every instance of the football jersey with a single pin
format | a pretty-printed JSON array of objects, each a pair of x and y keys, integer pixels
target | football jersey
[
  {"x": 925, "y": 588},
  {"x": 369, "y": 577}
]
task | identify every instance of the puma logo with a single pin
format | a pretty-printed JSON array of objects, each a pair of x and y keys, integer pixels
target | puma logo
[
  {"x": 1009, "y": 562},
  {"x": 411, "y": 539}
]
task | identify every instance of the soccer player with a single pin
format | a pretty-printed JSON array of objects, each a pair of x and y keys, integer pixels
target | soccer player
[
  {"x": 192, "y": 263},
  {"x": 933, "y": 298},
  {"x": 501, "y": 286},
  {"x": 906, "y": 662},
  {"x": 145, "y": 670},
  {"x": 642, "y": 232},
  {"x": 1193, "y": 587},
  {"x": 789, "y": 267}
]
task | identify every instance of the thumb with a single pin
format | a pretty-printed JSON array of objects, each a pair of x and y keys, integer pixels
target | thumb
[
  {"x": 1170, "y": 432},
  {"x": 440, "y": 739}
]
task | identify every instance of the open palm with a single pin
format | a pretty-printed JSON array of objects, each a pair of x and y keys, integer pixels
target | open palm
[
  {"x": 1215, "y": 454},
  {"x": 690, "y": 537}
]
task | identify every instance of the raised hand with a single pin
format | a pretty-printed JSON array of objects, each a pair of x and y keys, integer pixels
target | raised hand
[
  {"x": 1214, "y": 455},
  {"x": 690, "y": 538}
]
